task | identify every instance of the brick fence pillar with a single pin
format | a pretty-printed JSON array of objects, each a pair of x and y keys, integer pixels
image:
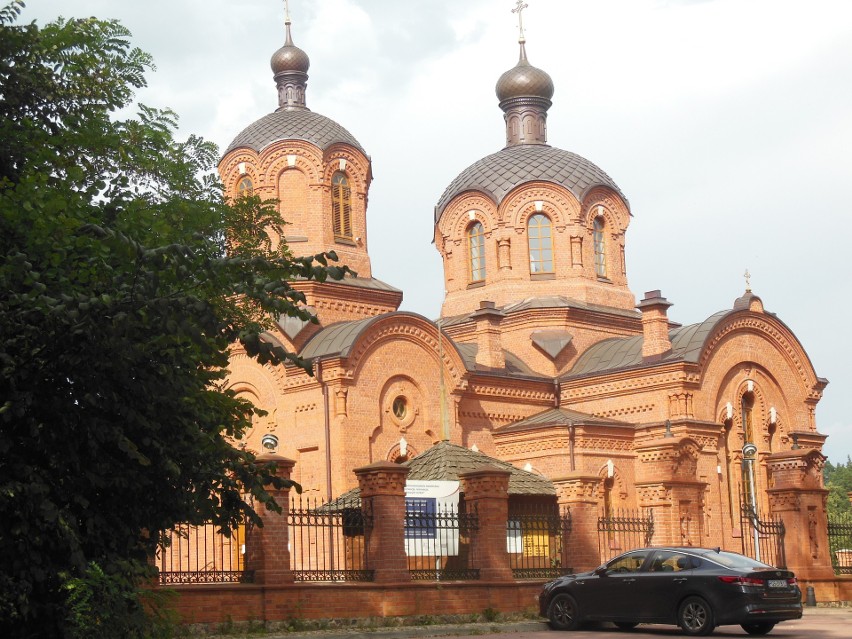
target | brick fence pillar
[
  {"x": 487, "y": 491},
  {"x": 798, "y": 498},
  {"x": 267, "y": 547},
  {"x": 579, "y": 491},
  {"x": 382, "y": 487}
]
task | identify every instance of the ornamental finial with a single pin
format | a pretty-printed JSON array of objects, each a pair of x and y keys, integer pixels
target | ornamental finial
[
  {"x": 747, "y": 277},
  {"x": 519, "y": 9}
]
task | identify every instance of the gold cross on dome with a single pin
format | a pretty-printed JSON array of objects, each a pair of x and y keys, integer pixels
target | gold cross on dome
[
  {"x": 519, "y": 9},
  {"x": 747, "y": 277}
]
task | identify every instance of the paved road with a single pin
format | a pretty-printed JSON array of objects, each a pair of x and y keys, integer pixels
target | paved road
[{"x": 818, "y": 623}]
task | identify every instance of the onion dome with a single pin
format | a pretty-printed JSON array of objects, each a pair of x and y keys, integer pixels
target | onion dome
[
  {"x": 290, "y": 69},
  {"x": 524, "y": 81}
]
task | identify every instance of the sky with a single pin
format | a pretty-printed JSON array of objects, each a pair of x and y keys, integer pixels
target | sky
[{"x": 727, "y": 124}]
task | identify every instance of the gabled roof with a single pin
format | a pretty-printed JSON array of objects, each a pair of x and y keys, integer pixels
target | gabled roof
[
  {"x": 621, "y": 353},
  {"x": 558, "y": 417}
]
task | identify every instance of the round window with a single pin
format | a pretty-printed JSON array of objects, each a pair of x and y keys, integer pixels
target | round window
[{"x": 400, "y": 407}]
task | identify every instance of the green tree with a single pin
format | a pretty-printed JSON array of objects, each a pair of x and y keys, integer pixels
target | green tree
[
  {"x": 838, "y": 480},
  {"x": 120, "y": 298}
]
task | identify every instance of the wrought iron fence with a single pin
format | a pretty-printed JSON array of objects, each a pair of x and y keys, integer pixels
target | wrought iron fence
[
  {"x": 328, "y": 540},
  {"x": 762, "y": 537},
  {"x": 536, "y": 540},
  {"x": 840, "y": 542},
  {"x": 201, "y": 554},
  {"x": 623, "y": 529},
  {"x": 440, "y": 541}
]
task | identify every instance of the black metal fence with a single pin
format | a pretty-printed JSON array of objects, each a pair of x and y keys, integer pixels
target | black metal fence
[
  {"x": 439, "y": 541},
  {"x": 840, "y": 543},
  {"x": 536, "y": 540},
  {"x": 327, "y": 540},
  {"x": 762, "y": 537},
  {"x": 201, "y": 554},
  {"x": 622, "y": 530}
]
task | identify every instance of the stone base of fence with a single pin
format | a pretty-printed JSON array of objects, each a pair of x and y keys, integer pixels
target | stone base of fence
[
  {"x": 222, "y": 603},
  {"x": 829, "y": 591}
]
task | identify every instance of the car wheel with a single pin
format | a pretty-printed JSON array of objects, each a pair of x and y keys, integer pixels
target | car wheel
[
  {"x": 563, "y": 613},
  {"x": 758, "y": 627},
  {"x": 625, "y": 625},
  {"x": 695, "y": 617}
]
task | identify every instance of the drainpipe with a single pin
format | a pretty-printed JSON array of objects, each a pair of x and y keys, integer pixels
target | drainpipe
[
  {"x": 327, "y": 420},
  {"x": 571, "y": 444}
]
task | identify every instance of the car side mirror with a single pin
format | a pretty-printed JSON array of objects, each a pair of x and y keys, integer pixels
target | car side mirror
[{"x": 600, "y": 571}]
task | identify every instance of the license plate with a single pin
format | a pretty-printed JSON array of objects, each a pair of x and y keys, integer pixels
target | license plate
[{"x": 777, "y": 583}]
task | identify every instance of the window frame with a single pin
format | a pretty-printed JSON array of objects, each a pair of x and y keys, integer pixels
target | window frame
[
  {"x": 476, "y": 263},
  {"x": 341, "y": 206},
  {"x": 599, "y": 245},
  {"x": 537, "y": 222}
]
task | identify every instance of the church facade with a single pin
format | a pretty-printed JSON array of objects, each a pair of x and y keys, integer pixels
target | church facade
[{"x": 542, "y": 355}]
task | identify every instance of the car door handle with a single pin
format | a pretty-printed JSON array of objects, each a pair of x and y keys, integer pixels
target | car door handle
[
  {"x": 629, "y": 581},
  {"x": 679, "y": 580}
]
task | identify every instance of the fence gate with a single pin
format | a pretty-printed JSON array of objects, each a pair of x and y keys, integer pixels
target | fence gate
[
  {"x": 440, "y": 542},
  {"x": 763, "y": 537},
  {"x": 622, "y": 530},
  {"x": 840, "y": 543},
  {"x": 535, "y": 540}
]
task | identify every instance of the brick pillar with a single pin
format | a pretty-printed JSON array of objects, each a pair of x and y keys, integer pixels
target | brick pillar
[
  {"x": 267, "y": 547},
  {"x": 798, "y": 498},
  {"x": 579, "y": 491},
  {"x": 487, "y": 490},
  {"x": 489, "y": 353},
  {"x": 382, "y": 487}
]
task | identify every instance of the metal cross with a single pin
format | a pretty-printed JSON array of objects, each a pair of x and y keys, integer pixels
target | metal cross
[
  {"x": 747, "y": 277},
  {"x": 286, "y": 11},
  {"x": 520, "y": 11}
]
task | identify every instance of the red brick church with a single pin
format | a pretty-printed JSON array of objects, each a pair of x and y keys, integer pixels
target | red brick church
[{"x": 542, "y": 356}]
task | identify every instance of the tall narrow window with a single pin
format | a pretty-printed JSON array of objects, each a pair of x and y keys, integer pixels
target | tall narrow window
[
  {"x": 600, "y": 247},
  {"x": 476, "y": 251},
  {"x": 245, "y": 187},
  {"x": 341, "y": 206},
  {"x": 539, "y": 231}
]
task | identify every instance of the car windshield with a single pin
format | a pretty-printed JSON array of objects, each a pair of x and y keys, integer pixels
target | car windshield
[{"x": 736, "y": 562}]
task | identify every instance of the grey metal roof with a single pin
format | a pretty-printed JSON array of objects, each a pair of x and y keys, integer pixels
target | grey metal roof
[
  {"x": 497, "y": 174},
  {"x": 514, "y": 365},
  {"x": 445, "y": 461},
  {"x": 558, "y": 417},
  {"x": 336, "y": 339},
  {"x": 293, "y": 124},
  {"x": 620, "y": 352}
]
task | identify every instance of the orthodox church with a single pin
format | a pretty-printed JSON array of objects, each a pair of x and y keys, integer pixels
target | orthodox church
[{"x": 542, "y": 356}]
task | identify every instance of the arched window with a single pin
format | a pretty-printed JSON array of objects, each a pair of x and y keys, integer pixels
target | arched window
[
  {"x": 245, "y": 187},
  {"x": 539, "y": 231},
  {"x": 476, "y": 252},
  {"x": 600, "y": 247},
  {"x": 341, "y": 206}
]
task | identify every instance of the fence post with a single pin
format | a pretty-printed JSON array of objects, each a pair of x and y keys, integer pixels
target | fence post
[
  {"x": 383, "y": 485},
  {"x": 267, "y": 547},
  {"x": 487, "y": 491},
  {"x": 797, "y": 496},
  {"x": 579, "y": 491}
]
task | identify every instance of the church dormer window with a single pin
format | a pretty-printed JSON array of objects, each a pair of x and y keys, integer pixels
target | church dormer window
[
  {"x": 476, "y": 252},
  {"x": 600, "y": 247},
  {"x": 245, "y": 187},
  {"x": 539, "y": 231},
  {"x": 341, "y": 206}
]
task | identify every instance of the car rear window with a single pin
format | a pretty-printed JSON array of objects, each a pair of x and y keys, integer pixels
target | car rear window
[{"x": 734, "y": 561}]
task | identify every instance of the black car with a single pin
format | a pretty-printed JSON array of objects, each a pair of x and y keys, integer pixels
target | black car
[{"x": 694, "y": 588}]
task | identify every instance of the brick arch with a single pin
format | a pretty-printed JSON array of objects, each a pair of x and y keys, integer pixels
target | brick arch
[
  {"x": 619, "y": 214},
  {"x": 558, "y": 203},
  {"x": 618, "y": 483},
  {"x": 229, "y": 170},
  {"x": 395, "y": 453},
  {"x": 414, "y": 329},
  {"x": 455, "y": 220},
  {"x": 276, "y": 159},
  {"x": 357, "y": 167}
]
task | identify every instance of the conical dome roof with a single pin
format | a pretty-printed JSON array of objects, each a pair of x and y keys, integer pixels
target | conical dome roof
[{"x": 524, "y": 81}]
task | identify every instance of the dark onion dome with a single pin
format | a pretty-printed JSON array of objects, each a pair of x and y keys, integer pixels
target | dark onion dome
[
  {"x": 497, "y": 174},
  {"x": 524, "y": 81},
  {"x": 293, "y": 125},
  {"x": 289, "y": 58}
]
